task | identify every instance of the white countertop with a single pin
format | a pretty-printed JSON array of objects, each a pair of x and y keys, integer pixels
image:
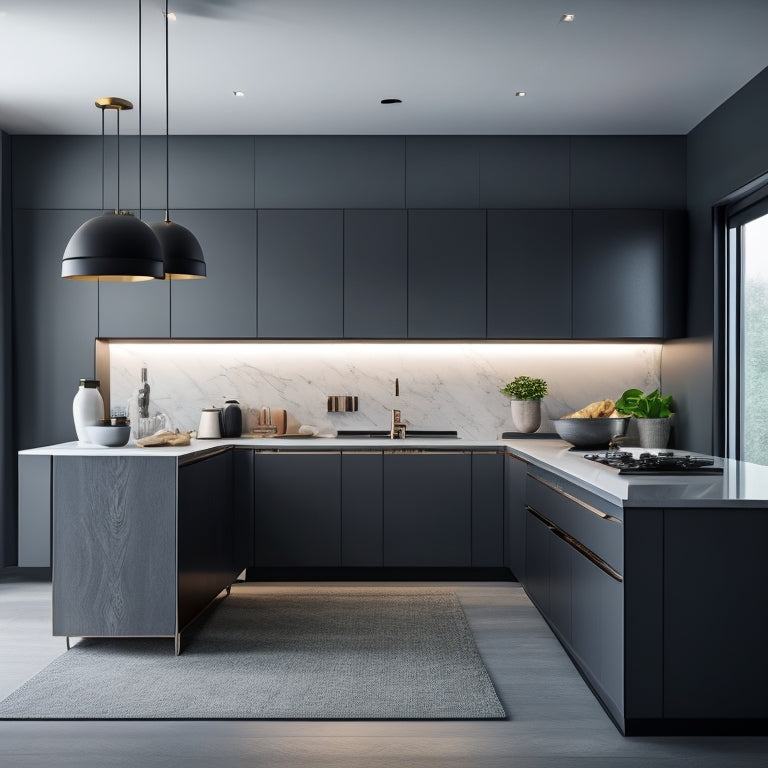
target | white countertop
[
  {"x": 741, "y": 484},
  {"x": 271, "y": 444}
]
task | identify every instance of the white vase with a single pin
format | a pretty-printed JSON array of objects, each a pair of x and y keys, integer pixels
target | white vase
[
  {"x": 87, "y": 407},
  {"x": 526, "y": 414},
  {"x": 653, "y": 433}
]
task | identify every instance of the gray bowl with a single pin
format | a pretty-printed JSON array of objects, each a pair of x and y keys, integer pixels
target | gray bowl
[
  {"x": 109, "y": 436},
  {"x": 591, "y": 433}
]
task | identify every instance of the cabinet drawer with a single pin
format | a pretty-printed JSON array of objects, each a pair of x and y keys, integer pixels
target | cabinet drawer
[{"x": 596, "y": 528}]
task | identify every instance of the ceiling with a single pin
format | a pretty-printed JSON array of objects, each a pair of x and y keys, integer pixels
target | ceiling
[{"x": 323, "y": 66}]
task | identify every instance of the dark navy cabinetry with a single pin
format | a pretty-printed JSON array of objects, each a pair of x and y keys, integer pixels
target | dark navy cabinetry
[
  {"x": 446, "y": 274},
  {"x": 529, "y": 274},
  {"x": 297, "y": 509},
  {"x": 428, "y": 509},
  {"x": 301, "y": 268},
  {"x": 375, "y": 274}
]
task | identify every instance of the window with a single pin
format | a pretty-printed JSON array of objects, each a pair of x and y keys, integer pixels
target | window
[{"x": 747, "y": 334}]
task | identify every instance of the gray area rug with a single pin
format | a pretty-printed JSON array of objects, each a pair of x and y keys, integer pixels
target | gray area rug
[{"x": 280, "y": 653}]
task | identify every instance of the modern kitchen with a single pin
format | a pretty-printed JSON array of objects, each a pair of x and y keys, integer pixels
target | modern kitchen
[{"x": 330, "y": 411}]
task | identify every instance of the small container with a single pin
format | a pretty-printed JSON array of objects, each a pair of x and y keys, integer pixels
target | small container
[
  {"x": 210, "y": 424},
  {"x": 87, "y": 408},
  {"x": 231, "y": 419}
]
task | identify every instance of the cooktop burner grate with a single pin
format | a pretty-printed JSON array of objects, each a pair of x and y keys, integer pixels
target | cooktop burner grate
[{"x": 664, "y": 462}]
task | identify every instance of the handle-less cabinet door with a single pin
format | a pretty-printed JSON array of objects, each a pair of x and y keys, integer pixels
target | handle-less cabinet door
[
  {"x": 206, "y": 533},
  {"x": 301, "y": 274},
  {"x": 223, "y": 305},
  {"x": 618, "y": 274},
  {"x": 140, "y": 310},
  {"x": 297, "y": 519},
  {"x": 529, "y": 274},
  {"x": 427, "y": 509},
  {"x": 55, "y": 323},
  {"x": 361, "y": 509},
  {"x": 375, "y": 274},
  {"x": 446, "y": 274}
]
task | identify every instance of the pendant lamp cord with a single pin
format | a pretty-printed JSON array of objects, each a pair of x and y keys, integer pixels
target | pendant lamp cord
[
  {"x": 167, "y": 143},
  {"x": 118, "y": 161},
  {"x": 103, "y": 159},
  {"x": 140, "y": 109}
]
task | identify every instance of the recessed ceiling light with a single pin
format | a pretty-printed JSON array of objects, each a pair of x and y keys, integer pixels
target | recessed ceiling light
[
  {"x": 239, "y": 93},
  {"x": 171, "y": 16},
  {"x": 391, "y": 101},
  {"x": 519, "y": 93},
  {"x": 567, "y": 18}
]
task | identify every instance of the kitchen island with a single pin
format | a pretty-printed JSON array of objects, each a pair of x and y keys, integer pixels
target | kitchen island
[{"x": 654, "y": 585}]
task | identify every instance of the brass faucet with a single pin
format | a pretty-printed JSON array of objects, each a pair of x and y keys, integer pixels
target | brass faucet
[{"x": 397, "y": 426}]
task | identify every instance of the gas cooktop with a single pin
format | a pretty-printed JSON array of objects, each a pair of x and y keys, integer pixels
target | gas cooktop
[{"x": 663, "y": 462}]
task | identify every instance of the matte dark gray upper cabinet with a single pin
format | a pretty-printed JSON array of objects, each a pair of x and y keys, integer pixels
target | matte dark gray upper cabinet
[
  {"x": 446, "y": 274},
  {"x": 329, "y": 172},
  {"x": 441, "y": 172},
  {"x": 627, "y": 172},
  {"x": 301, "y": 268},
  {"x": 618, "y": 274},
  {"x": 375, "y": 274},
  {"x": 55, "y": 324},
  {"x": 524, "y": 171},
  {"x": 223, "y": 305},
  {"x": 136, "y": 310},
  {"x": 529, "y": 274}
]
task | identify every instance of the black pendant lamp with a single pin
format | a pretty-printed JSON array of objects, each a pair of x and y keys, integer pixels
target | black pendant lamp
[
  {"x": 115, "y": 246},
  {"x": 182, "y": 253}
]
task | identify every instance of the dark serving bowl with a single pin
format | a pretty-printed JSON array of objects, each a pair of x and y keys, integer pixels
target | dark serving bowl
[{"x": 591, "y": 433}]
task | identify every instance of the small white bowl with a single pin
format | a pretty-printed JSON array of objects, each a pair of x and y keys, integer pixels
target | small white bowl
[{"x": 108, "y": 435}]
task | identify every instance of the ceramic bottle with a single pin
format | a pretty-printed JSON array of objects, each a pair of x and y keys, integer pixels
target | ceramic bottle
[{"x": 87, "y": 407}]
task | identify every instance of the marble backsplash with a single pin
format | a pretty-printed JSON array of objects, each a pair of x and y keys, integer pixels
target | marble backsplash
[{"x": 442, "y": 386}]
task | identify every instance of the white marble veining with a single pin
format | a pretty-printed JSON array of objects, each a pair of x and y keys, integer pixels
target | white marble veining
[{"x": 442, "y": 385}]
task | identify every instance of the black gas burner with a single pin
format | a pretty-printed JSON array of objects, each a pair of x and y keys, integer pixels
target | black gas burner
[{"x": 663, "y": 462}]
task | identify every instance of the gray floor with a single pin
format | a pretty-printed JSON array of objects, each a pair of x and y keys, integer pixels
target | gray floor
[{"x": 554, "y": 719}]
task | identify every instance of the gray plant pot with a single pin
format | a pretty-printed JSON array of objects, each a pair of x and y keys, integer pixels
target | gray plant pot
[
  {"x": 653, "y": 433},
  {"x": 526, "y": 414}
]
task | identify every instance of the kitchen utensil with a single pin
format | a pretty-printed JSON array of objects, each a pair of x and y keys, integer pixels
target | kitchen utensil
[
  {"x": 590, "y": 433},
  {"x": 210, "y": 424}
]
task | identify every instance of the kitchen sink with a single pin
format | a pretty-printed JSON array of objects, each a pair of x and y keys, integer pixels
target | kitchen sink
[{"x": 438, "y": 434}]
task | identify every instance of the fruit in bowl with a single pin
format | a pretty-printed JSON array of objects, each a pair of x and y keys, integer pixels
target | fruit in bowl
[{"x": 593, "y": 426}]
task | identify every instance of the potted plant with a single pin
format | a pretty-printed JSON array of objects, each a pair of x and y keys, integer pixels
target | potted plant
[
  {"x": 525, "y": 395},
  {"x": 652, "y": 413}
]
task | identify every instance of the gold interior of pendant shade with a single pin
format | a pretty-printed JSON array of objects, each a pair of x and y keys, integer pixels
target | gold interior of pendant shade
[{"x": 113, "y": 102}]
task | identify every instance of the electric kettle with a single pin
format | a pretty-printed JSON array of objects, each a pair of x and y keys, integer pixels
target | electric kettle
[{"x": 210, "y": 424}]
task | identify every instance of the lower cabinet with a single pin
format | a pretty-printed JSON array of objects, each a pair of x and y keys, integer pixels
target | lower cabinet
[
  {"x": 141, "y": 544},
  {"x": 578, "y": 592},
  {"x": 207, "y": 533},
  {"x": 515, "y": 513},
  {"x": 428, "y": 509},
  {"x": 362, "y": 512},
  {"x": 297, "y": 515}
]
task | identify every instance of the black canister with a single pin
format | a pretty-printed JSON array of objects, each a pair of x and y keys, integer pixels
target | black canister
[{"x": 231, "y": 419}]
